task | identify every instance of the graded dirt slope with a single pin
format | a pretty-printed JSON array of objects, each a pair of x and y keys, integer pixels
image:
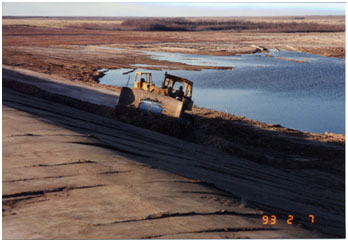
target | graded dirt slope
[
  {"x": 266, "y": 187},
  {"x": 68, "y": 174}
]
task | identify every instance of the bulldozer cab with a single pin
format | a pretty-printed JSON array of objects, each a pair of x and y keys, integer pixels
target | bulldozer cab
[
  {"x": 184, "y": 93},
  {"x": 164, "y": 99},
  {"x": 143, "y": 80}
]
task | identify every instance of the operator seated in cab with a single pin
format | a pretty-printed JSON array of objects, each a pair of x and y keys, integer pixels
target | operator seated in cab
[
  {"x": 142, "y": 80},
  {"x": 180, "y": 94}
]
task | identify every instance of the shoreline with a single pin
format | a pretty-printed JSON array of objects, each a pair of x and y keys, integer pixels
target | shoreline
[
  {"x": 81, "y": 63},
  {"x": 76, "y": 168},
  {"x": 222, "y": 131},
  {"x": 237, "y": 143}
]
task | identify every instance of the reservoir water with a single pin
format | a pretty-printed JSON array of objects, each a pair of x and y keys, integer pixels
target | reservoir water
[{"x": 308, "y": 95}]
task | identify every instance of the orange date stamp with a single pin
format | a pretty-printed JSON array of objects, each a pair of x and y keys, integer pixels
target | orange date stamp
[{"x": 272, "y": 219}]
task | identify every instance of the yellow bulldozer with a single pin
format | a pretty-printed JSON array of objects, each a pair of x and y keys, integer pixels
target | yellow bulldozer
[{"x": 162, "y": 100}]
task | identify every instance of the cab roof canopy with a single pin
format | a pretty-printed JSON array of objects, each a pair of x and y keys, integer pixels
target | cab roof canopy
[{"x": 178, "y": 79}]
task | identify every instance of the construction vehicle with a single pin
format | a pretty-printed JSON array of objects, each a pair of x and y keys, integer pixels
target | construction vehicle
[{"x": 164, "y": 100}]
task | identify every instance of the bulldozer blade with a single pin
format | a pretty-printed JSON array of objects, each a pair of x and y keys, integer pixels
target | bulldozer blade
[{"x": 150, "y": 101}]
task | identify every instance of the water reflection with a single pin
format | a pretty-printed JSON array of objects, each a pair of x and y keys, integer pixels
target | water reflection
[{"x": 306, "y": 96}]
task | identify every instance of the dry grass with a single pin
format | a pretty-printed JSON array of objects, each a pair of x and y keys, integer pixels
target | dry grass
[
  {"x": 185, "y": 24},
  {"x": 250, "y": 24},
  {"x": 332, "y": 20},
  {"x": 199, "y": 42},
  {"x": 57, "y": 23}
]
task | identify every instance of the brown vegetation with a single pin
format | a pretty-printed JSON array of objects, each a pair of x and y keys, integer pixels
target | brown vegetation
[
  {"x": 56, "y": 22},
  {"x": 198, "y": 42},
  {"x": 183, "y": 24},
  {"x": 232, "y": 24}
]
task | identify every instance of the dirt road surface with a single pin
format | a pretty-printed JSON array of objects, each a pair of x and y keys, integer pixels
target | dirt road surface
[
  {"x": 71, "y": 174},
  {"x": 85, "y": 177}
]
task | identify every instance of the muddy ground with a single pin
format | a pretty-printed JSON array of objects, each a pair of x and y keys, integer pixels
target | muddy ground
[{"x": 305, "y": 159}]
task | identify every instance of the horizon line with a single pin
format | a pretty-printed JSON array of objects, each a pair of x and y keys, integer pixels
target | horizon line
[{"x": 85, "y": 16}]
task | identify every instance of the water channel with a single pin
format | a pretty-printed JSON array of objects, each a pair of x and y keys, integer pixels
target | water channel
[{"x": 296, "y": 90}]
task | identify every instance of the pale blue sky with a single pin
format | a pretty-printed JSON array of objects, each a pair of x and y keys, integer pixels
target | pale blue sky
[{"x": 170, "y": 9}]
